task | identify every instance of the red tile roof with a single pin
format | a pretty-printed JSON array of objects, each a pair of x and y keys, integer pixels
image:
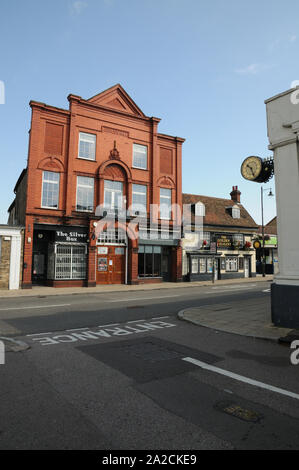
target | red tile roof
[{"x": 216, "y": 212}]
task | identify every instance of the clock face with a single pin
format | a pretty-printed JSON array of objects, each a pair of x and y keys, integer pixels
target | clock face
[{"x": 251, "y": 168}]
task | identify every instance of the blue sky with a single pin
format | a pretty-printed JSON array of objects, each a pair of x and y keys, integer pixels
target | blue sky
[{"x": 204, "y": 68}]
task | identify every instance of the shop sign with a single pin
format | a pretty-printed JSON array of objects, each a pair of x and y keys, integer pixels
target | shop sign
[
  {"x": 103, "y": 250},
  {"x": 224, "y": 240},
  {"x": 271, "y": 241},
  {"x": 69, "y": 234}
]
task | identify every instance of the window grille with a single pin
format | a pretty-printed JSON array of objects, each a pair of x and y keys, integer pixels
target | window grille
[{"x": 70, "y": 262}]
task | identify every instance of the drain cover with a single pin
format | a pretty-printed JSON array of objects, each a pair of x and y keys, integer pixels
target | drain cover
[{"x": 238, "y": 411}]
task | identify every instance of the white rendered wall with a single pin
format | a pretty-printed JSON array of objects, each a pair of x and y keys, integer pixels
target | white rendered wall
[{"x": 283, "y": 133}]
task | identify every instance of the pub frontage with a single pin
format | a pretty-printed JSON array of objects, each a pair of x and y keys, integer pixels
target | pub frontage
[{"x": 217, "y": 244}]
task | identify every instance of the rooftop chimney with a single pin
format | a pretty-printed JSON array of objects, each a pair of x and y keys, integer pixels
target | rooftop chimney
[{"x": 235, "y": 194}]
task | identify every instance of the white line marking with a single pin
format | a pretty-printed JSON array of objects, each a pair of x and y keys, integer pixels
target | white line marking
[
  {"x": 35, "y": 306},
  {"x": 110, "y": 324},
  {"x": 227, "y": 291},
  {"x": 38, "y": 334},
  {"x": 241, "y": 378},
  {"x": 144, "y": 298},
  {"x": 266, "y": 290},
  {"x": 136, "y": 321},
  {"x": 78, "y": 329},
  {"x": 159, "y": 318}
]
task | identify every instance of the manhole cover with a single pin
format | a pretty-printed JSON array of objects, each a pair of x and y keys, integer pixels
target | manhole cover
[{"x": 238, "y": 411}]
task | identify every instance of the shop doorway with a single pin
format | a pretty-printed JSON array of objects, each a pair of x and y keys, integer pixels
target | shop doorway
[
  {"x": 111, "y": 265},
  {"x": 41, "y": 241}
]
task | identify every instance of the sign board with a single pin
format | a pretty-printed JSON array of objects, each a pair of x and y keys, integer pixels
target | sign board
[
  {"x": 71, "y": 234},
  {"x": 102, "y": 250},
  {"x": 224, "y": 240}
]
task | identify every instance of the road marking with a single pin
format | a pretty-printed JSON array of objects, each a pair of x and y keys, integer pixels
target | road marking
[
  {"x": 38, "y": 334},
  {"x": 235, "y": 286},
  {"x": 109, "y": 324},
  {"x": 35, "y": 306},
  {"x": 78, "y": 329},
  {"x": 267, "y": 290},
  {"x": 144, "y": 298},
  {"x": 241, "y": 378},
  {"x": 100, "y": 333},
  {"x": 227, "y": 291}
]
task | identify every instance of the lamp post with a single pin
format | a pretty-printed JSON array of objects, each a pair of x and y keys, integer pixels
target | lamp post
[{"x": 263, "y": 229}]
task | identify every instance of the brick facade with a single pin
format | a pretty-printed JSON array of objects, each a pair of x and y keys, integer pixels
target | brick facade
[{"x": 118, "y": 123}]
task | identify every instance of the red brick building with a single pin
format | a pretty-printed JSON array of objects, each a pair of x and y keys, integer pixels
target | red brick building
[{"x": 104, "y": 152}]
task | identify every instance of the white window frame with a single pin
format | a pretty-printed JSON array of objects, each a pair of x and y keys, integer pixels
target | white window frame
[
  {"x": 231, "y": 259},
  {"x": 52, "y": 182},
  {"x": 138, "y": 206},
  {"x": 113, "y": 195},
  {"x": 162, "y": 216},
  {"x": 82, "y": 139},
  {"x": 135, "y": 146},
  {"x": 84, "y": 186},
  {"x": 236, "y": 214}
]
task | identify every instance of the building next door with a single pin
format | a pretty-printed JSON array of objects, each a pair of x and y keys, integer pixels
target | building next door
[{"x": 111, "y": 264}]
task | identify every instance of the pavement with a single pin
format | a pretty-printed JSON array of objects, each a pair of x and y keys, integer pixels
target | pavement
[{"x": 37, "y": 291}]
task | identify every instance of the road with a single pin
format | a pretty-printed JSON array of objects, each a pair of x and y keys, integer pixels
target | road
[{"x": 121, "y": 371}]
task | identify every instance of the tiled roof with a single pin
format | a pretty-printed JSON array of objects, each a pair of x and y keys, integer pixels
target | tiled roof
[
  {"x": 270, "y": 228},
  {"x": 216, "y": 212}
]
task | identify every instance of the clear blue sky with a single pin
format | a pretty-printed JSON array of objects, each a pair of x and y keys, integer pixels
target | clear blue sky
[{"x": 205, "y": 68}]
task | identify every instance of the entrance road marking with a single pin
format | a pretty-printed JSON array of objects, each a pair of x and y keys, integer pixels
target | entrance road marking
[
  {"x": 35, "y": 306},
  {"x": 241, "y": 378}
]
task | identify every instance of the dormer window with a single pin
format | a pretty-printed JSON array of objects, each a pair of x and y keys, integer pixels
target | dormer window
[
  {"x": 199, "y": 209},
  {"x": 235, "y": 212}
]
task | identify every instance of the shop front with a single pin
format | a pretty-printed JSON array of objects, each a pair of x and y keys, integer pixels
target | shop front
[
  {"x": 217, "y": 256},
  {"x": 59, "y": 255}
]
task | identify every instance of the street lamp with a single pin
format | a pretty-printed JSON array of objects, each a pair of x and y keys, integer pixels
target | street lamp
[{"x": 263, "y": 229}]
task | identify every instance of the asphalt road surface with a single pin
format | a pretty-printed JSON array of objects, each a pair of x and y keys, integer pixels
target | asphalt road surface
[{"x": 121, "y": 371}]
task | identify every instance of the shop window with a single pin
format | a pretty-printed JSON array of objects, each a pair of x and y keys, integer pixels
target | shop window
[
  {"x": 140, "y": 156},
  {"x": 67, "y": 262},
  {"x": 202, "y": 265},
  {"x": 194, "y": 265},
  {"x": 231, "y": 264},
  {"x": 50, "y": 189},
  {"x": 210, "y": 265},
  {"x": 85, "y": 194},
  {"x": 87, "y": 146},
  {"x": 149, "y": 261}
]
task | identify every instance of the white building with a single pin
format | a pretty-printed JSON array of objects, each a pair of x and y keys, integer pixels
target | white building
[{"x": 283, "y": 134}]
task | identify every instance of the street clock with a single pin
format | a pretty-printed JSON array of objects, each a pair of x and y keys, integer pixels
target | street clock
[{"x": 256, "y": 169}]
